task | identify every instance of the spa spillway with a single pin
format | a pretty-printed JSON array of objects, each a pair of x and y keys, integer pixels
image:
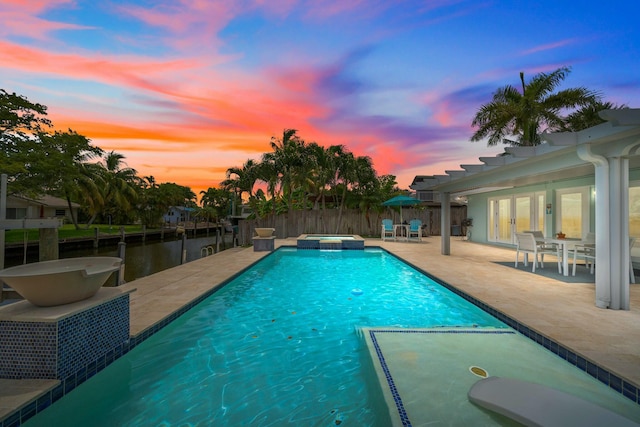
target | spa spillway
[
  {"x": 330, "y": 241},
  {"x": 62, "y": 281}
]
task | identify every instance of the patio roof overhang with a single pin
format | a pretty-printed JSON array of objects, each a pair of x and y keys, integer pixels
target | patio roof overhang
[
  {"x": 556, "y": 159},
  {"x": 607, "y": 152}
]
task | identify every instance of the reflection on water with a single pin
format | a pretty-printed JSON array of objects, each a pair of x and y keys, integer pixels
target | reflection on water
[{"x": 142, "y": 259}]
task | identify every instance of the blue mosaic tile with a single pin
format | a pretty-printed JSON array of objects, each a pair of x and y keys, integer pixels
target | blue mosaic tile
[
  {"x": 12, "y": 420},
  {"x": 44, "y": 402},
  {"x": 615, "y": 383},
  {"x": 55, "y": 350}
]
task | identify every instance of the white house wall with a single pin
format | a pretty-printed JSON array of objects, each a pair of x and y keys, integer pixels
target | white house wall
[{"x": 477, "y": 207}]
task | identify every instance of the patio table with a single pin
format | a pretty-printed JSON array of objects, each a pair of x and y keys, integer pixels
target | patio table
[
  {"x": 401, "y": 231},
  {"x": 565, "y": 244}
]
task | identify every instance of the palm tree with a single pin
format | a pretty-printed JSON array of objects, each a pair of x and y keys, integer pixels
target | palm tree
[
  {"x": 288, "y": 159},
  {"x": 242, "y": 180},
  {"x": 120, "y": 186},
  {"x": 345, "y": 174},
  {"x": 524, "y": 114},
  {"x": 587, "y": 116},
  {"x": 216, "y": 201},
  {"x": 64, "y": 168},
  {"x": 268, "y": 173}
]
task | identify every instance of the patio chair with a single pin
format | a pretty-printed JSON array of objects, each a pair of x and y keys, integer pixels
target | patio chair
[
  {"x": 387, "y": 229},
  {"x": 415, "y": 229},
  {"x": 587, "y": 252},
  {"x": 632, "y": 275},
  {"x": 526, "y": 243},
  {"x": 541, "y": 243}
]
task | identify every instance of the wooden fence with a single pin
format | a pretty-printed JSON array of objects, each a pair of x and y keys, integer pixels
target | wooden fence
[{"x": 353, "y": 221}]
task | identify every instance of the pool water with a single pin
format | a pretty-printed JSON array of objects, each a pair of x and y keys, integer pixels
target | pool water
[{"x": 277, "y": 345}]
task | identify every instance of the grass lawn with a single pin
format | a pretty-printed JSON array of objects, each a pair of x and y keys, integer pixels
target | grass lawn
[{"x": 68, "y": 231}]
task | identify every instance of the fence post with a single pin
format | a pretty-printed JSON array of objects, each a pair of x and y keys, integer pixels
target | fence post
[
  {"x": 121, "y": 253},
  {"x": 97, "y": 237},
  {"x": 184, "y": 248}
]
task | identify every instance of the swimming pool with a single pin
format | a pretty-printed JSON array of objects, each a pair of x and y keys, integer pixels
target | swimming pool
[{"x": 279, "y": 344}]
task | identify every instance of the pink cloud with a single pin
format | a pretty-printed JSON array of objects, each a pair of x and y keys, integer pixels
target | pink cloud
[
  {"x": 19, "y": 18},
  {"x": 549, "y": 46}
]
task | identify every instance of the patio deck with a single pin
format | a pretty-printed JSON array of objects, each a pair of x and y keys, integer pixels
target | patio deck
[{"x": 563, "y": 310}]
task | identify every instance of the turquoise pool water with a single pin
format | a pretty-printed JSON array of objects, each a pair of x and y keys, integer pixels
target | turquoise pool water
[{"x": 277, "y": 345}]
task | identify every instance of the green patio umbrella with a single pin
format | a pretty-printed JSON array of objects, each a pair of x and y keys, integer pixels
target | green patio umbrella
[{"x": 401, "y": 201}]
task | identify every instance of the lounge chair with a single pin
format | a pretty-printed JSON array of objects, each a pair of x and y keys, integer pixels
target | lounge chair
[
  {"x": 387, "y": 229},
  {"x": 527, "y": 244},
  {"x": 415, "y": 229}
]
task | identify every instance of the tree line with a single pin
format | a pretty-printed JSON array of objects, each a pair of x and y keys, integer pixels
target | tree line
[
  {"x": 294, "y": 175},
  {"x": 40, "y": 161}
]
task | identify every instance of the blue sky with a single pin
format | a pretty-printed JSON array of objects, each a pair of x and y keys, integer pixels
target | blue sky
[{"x": 186, "y": 89}]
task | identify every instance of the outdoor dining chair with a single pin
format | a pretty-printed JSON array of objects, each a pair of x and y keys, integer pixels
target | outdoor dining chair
[
  {"x": 527, "y": 244},
  {"x": 586, "y": 251}
]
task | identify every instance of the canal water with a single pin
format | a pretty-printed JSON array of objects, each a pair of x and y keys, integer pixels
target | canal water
[{"x": 142, "y": 259}]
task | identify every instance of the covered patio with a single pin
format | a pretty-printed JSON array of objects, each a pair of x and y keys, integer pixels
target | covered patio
[{"x": 604, "y": 157}]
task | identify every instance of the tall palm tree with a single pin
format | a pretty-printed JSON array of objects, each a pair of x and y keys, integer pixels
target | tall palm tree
[
  {"x": 216, "y": 201},
  {"x": 345, "y": 174},
  {"x": 587, "y": 116},
  {"x": 268, "y": 173},
  {"x": 120, "y": 185},
  {"x": 64, "y": 168},
  {"x": 287, "y": 159},
  {"x": 524, "y": 114},
  {"x": 242, "y": 180}
]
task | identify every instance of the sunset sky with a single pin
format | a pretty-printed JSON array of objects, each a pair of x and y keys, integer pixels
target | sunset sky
[{"x": 185, "y": 89}]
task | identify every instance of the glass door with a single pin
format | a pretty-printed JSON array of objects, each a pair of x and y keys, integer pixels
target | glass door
[
  {"x": 500, "y": 220},
  {"x": 573, "y": 212},
  {"x": 513, "y": 214},
  {"x": 524, "y": 213}
]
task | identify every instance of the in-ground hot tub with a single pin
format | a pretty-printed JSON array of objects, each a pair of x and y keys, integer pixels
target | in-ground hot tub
[
  {"x": 61, "y": 281},
  {"x": 330, "y": 241}
]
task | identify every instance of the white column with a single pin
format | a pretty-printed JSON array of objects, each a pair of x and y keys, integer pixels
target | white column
[
  {"x": 445, "y": 223},
  {"x": 603, "y": 209},
  {"x": 619, "y": 233}
]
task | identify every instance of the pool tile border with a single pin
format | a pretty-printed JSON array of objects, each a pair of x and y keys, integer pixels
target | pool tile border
[{"x": 603, "y": 375}]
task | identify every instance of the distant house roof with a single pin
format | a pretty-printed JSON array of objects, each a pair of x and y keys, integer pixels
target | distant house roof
[
  {"x": 182, "y": 208},
  {"x": 47, "y": 201}
]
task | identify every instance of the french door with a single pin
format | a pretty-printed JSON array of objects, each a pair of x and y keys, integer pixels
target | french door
[{"x": 512, "y": 214}]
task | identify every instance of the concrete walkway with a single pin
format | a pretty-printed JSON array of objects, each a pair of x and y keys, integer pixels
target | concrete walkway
[{"x": 562, "y": 311}]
